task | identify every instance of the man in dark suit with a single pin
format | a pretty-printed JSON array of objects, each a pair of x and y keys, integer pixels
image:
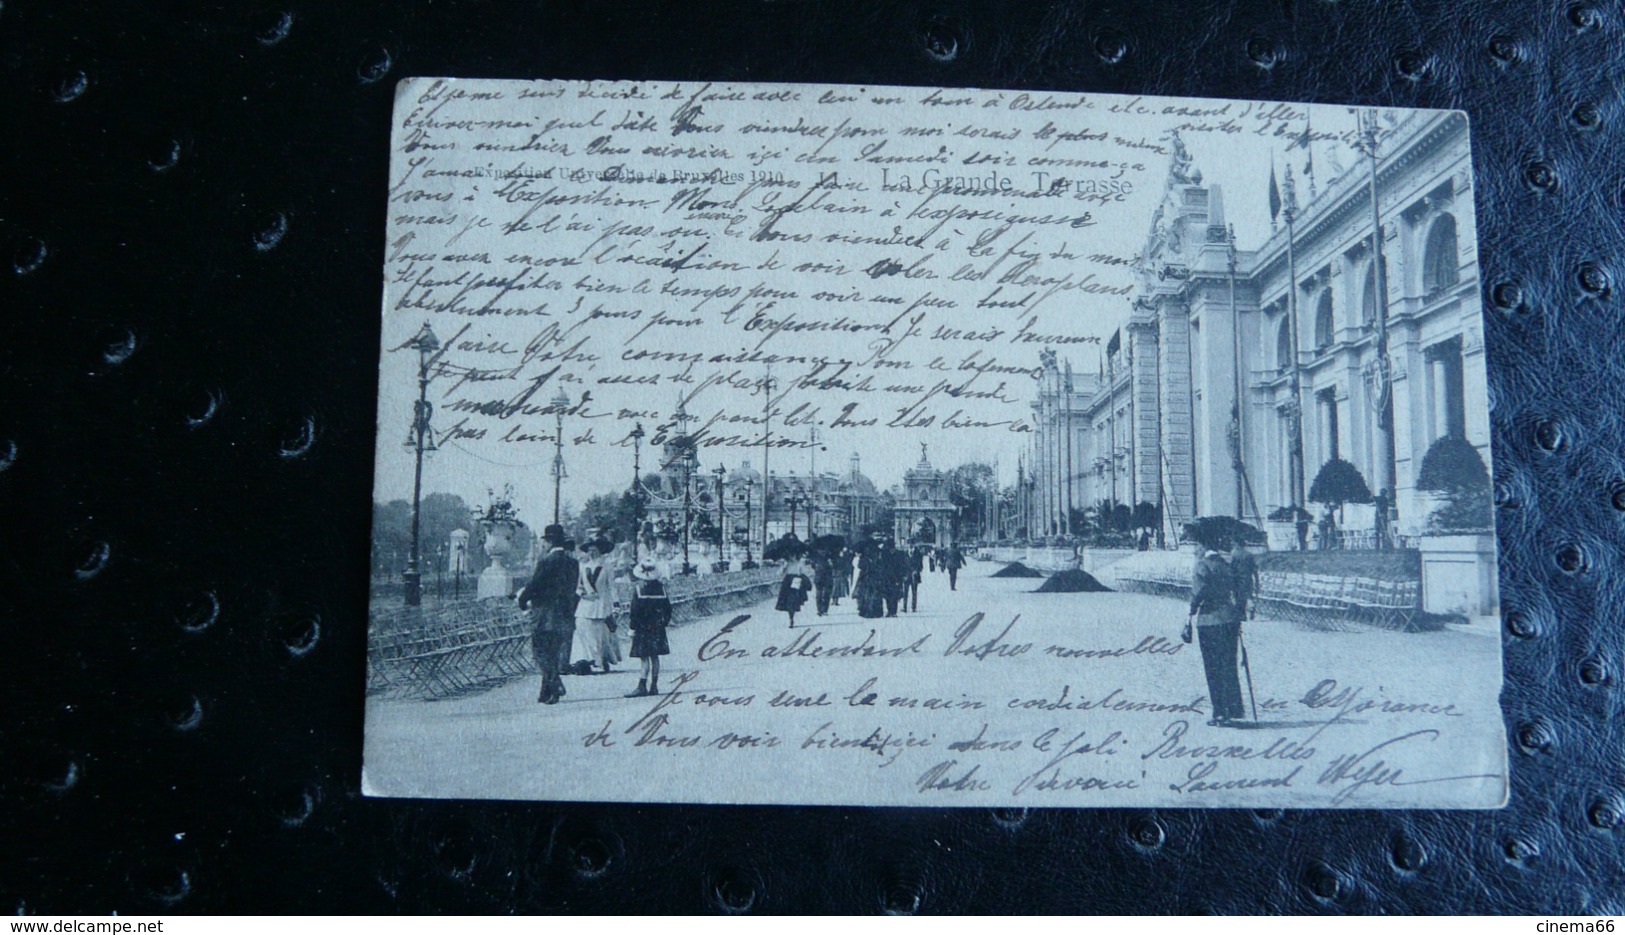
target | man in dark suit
[
  {"x": 896, "y": 568},
  {"x": 953, "y": 561},
  {"x": 911, "y": 578},
  {"x": 1218, "y": 630},
  {"x": 550, "y": 597}
]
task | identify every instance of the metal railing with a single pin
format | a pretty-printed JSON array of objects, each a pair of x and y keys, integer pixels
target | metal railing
[{"x": 473, "y": 646}]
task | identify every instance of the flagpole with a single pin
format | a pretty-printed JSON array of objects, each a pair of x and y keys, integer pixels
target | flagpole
[
  {"x": 1111, "y": 419},
  {"x": 1275, "y": 194},
  {"x": 1066, "y": 522},
  {"x": 1235, "y": 330},
  {"x": 1384, "y": 454},
  {"x": 1309, "y": 163},
  {"x": 1290, "y": 212}
]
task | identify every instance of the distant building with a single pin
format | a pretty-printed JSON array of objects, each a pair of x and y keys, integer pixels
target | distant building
[
  {"x": 1158, "y": 421},
  {"x": 826, "y": 503},
  {"x": 924, "y": 509}
]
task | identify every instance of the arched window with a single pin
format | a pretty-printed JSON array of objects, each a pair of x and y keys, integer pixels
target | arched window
[
  {"x": 1323, "y": 321},
  {"x": 1441, "y": 267},
  {"x": 1283, "y": 346}
]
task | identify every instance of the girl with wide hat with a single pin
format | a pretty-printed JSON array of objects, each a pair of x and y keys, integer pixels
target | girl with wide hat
[{"x": 650, "y": 615}]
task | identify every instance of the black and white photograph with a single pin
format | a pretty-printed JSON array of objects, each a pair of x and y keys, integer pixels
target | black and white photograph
[{"x": 841, "y": 445}]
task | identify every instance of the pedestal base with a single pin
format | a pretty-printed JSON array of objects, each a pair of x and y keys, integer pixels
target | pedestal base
[
  {"x": 1458, "y": 574},
  {"x": 496, "y": 581}
]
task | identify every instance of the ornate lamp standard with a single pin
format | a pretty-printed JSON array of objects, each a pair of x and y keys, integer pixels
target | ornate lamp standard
[
  {"x": 637, "y": 435},
  {"x": 722, "y": 524},
  {"x": 749, "y": 562},
  {"x": 794, "y": 502},
  {"x": 561, "y": 402},
  {"x": 688, "y": 511},
  {"x": 420, "y": 439},
  {"x": 688, "y": 455},
  {"x": 440, "y": 571}
]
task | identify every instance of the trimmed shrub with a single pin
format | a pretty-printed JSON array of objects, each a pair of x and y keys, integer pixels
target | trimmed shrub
[
  {"x": 1337, "y": 483},
  {"x": 1453, "y": 470}
]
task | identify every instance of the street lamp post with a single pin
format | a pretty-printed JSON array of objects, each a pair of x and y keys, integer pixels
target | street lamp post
[
  {"x": 561, "y": 402},
  {"x": 420, "y": 440},
  {"x": 686, "y": 453},
  {"x": 722, "y": 523},
  {"x": 637, "y": 435},
  {"x": 749, "y": 562},
  {"x": 794, "y": 501},
  {"x": 440, "y": 572},
  {"x": 688, "y": 516}
]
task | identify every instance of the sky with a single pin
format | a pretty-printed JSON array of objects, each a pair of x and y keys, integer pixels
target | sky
[{"x": 1239, "y": 164}]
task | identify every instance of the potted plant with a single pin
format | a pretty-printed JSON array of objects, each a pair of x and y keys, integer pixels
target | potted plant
[
  {"x": 1455, "y": 475},
  {"x": 1337, "y": 483},
  {"x": 1458, "y": 544}
]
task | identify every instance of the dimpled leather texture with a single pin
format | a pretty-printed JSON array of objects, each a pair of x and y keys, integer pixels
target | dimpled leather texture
[{"x": 192, "y": 232}]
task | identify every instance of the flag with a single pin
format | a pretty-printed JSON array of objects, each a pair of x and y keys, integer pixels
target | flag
[
  {"x": 1115, "y": 343},
  {"x": 1304, "y": 141},
  {"x": 1275, "y": 193}
]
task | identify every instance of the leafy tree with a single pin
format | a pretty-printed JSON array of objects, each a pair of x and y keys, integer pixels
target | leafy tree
[
  {"x": 1083, "y": 522},
  {"x": 1147, "y": 515},
  {"x": 1288, "y": 514},
  {"x": 439, "y": 514},
  {"x": 1337, "y": 483},
  {"x": 972, "y": 488},
  {"x": 1100, "y": 516},
  {"x": 704, "y": 529},
  {"x": 610, "y": 514},
  {"x": 1122, "y": 517}
]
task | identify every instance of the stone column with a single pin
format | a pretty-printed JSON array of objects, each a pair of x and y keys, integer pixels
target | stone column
[
  {"x": 1410, "y": 428},
  {"x": 1474, "y": 388},
  {"x": 1173, "y": 365},
  {"x": 1215, "y": 475},
  {"x": 1146, "y": 413}
]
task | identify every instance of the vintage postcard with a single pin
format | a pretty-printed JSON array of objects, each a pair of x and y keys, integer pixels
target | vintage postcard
[{"x": 750, "y": 443}]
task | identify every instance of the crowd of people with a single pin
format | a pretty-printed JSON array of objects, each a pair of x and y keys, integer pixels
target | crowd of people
[
  {"x": 882, "y": 578},
  {"x": 571, "y": 602},
  {"x": 570, "y": 597}
]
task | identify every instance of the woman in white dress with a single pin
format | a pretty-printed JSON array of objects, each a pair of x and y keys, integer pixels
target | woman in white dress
[{"x": 596, "y": 643}]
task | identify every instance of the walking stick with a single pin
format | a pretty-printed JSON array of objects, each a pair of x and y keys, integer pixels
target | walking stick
[{"x": 1249, "y": 670}]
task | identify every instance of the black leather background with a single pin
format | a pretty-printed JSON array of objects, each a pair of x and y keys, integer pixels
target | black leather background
[{"x": 191, "y": 230}]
